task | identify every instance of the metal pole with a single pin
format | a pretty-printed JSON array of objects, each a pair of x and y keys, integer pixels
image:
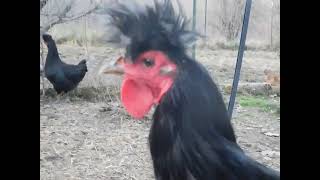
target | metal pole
[
  {"x": 205, "y": 18},
  {"x": 271, "y": 26},
  {"x": 240, "y": 56},
  {"x": 194, "y": 26}
]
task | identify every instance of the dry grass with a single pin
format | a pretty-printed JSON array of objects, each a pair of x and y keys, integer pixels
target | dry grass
[{"x": 92, "y": 141}]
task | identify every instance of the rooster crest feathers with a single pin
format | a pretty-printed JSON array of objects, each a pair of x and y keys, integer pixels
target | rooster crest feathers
[{"x": 139, "y": 28}]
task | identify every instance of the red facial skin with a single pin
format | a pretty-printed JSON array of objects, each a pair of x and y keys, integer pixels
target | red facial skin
[{"x": 144, "y": 85}]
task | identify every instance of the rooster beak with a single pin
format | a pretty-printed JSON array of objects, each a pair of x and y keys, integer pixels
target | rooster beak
[{"x": 116, "y": 68}]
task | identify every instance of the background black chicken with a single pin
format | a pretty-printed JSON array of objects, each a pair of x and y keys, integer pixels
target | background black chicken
[
  {"x": 64, "y": 77},
  {"x": 191, "y": 137}
]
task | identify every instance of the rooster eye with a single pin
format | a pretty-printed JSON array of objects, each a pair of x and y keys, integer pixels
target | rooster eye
[{"x": 148, "y": 62}]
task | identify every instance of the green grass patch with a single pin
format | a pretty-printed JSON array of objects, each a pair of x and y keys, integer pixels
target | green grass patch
[{"x": 264, "y": 103}]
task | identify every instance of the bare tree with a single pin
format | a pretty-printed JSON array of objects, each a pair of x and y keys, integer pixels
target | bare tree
[
  {"x": 230, "y": 18},
  {"x": 53, "y": 12}
]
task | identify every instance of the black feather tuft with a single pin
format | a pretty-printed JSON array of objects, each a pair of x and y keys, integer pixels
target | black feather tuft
[
  {"x": 140, "y": 28},
  {"x": 47, "y": 38}
]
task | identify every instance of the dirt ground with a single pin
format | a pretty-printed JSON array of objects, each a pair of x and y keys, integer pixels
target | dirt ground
[{"x": 92, "y": 137}]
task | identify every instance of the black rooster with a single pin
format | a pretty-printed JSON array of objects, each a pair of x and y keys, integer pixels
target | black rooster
[
  {"x": 191, "y": 137},
  {"x": 64, "y": 77}
]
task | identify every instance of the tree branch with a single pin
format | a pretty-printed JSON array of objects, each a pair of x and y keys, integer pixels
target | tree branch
[
  {"x": 63, "y": 19},
  {"x": 43, "y": 3}
]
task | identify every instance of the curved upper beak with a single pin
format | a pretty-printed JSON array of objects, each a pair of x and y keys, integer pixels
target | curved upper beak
[{"x": 116, "y": 68}]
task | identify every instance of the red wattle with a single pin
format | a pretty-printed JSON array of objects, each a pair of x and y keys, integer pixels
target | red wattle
[{"x": 136, "y": 97}]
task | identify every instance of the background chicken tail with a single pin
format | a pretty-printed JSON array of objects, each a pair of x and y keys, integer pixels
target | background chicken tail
[
  {"x": 83, "y": 61},
  {"x": 84, "y": 64}
]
